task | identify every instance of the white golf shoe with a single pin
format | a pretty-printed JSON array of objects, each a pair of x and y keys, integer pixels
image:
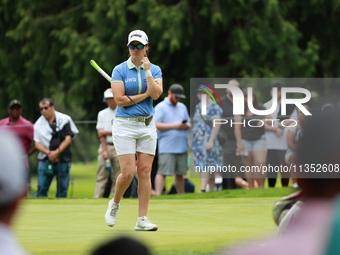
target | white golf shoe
[
  {"x": 143, "y": 224},
  {"x": 111, "y": 214}
]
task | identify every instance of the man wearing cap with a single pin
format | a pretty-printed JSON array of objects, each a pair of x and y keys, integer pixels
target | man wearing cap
[
  {"x": 53, "y": 134},
  {"x": 106, "y": 149},
  {"x": 276, "y": 137},
  {"x": 19, "y": 125},
  {"x": 12, "y": 189},
  {"x": 172, "y": 120},
  {"x": 22, "y": 127}
]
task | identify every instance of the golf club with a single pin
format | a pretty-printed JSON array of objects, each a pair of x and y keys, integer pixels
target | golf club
[{"x": 148, "y": 118}]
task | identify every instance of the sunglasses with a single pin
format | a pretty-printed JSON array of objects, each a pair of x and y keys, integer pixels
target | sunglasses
[
  {"x": 139, "y": 46},
  {"x": 43, "y": 108}
]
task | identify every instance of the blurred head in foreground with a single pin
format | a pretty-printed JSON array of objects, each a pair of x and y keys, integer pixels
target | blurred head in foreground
[
  {"x": 320, "y": 145},
  {"x": 122, "y": 245},
  {"x": 12, "y": 189},
  {"x": 313, "y": 227},
  {"x": 12, "y": 176}
]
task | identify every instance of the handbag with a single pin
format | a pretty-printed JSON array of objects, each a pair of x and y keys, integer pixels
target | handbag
[{"x": 222, "y": 138}]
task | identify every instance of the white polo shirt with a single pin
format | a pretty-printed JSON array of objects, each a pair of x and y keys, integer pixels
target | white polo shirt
[{"x": 105, "y": 121}]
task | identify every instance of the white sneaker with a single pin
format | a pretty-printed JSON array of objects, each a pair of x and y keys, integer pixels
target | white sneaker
[
  {"x": 143, "y": 224},
  {"x": 111, "y": 214}
]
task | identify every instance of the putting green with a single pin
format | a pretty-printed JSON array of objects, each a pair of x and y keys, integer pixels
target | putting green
[{"x": 186, "y": 226}]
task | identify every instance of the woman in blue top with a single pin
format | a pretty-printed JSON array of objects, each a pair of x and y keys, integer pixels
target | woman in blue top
[{"x": 142, "y": 82}]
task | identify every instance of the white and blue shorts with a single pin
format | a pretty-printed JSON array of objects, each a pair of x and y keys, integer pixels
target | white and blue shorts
[{"x": 130, "y": 136}]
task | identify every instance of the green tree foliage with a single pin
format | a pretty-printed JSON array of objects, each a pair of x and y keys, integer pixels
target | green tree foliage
[
  {"x": 318, "y": 21},
  {"x": 46, "y": 46}
]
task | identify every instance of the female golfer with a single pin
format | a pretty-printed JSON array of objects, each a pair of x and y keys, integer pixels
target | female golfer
[{"x": 132, "y": 131}]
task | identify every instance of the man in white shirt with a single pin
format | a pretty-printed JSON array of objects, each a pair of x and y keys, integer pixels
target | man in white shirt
[
  {"x": 13, "y": 176},
  {"x": 53, "y": 134},
  {"x": 106, "y": 177},
  {"x": 276, "y": 137}
]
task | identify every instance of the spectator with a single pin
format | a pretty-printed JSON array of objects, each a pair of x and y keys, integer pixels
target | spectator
[
  {"x": 53, "y": 134},
  {"x": 122, "y": 245},
  {"x": 189, "y": 187},
  {"x": 134, "y": 130},
  {"x": 23, "y": 128},
  {"x": 315, "y": 228},
  {"x": 276, "y": 138},
  {"x": 134, "y": 188},
  {"x": 12, "y": 189},
  {"x": 172, "y": 120},
  {"x": 285, "y": 210},
  {"x": 251, "y": 141},
  {"x": 205, "y": 148},
  {"x": 229, "y": 147},
  {"x": 294, "y": 133},
  {"x": 106, "y": 150}
]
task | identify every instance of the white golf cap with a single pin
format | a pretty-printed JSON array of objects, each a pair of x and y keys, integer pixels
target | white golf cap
[
  {"x": 108, "y": 93},
  {"x": 138, "y": 35},
  {"x": 13, "y": 174}
]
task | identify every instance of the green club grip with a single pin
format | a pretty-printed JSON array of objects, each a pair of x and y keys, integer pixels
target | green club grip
[{"x": 94, "y": 64}]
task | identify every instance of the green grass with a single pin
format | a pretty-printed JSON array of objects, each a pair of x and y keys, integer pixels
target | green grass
[
  {"x": 75, "y": 226},
  {"x": 188, "y": 223},
  {"x": 83, "y": 178},
  {"x": 82, "y": 181}
]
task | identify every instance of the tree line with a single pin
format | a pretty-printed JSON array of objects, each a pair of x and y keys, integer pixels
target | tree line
[{"x": 46, "y": 46}]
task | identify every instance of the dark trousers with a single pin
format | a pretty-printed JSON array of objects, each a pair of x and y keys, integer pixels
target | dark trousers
[
  {"x": 277, "y": 158},
  {"x": 229, "y": 158}
]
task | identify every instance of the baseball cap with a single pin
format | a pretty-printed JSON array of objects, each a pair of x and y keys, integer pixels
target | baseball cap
[
  {"x": 108, "y": 93},
  {"x": 138, "y": 35},
  {"x": 13, "y": 174},
  {"x": 178, "y": 90},
  {"x": 14, "y": 102},
  {"x": 276, "y": 84}
]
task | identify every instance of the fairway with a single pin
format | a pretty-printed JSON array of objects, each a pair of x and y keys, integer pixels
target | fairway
[
  {"x": 188, "y": 224},
  {"x": 195, "y": 226}
]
